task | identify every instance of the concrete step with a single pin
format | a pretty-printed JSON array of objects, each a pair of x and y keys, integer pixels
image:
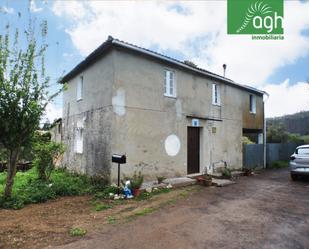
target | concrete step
[
  {"x": 180, "y": 181},
  {"x": 222, "y": 182}
]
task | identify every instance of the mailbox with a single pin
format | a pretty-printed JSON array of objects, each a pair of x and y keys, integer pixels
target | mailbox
[{"x": 121, "y": 159}]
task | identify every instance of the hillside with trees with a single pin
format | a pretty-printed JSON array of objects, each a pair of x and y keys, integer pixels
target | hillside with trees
[{"x": 297, "y": 123}]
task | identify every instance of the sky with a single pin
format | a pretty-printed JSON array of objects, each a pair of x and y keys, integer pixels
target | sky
[{"x": 189, "y": 30}]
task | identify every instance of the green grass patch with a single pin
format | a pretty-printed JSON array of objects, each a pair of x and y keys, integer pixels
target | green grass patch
[
  {"x": 111, "y": 220},
  {"x": 102, "y": 206},
  {"x": 144, "y": 211},
  {"x": 77, "y": 231},
  {"x": 28, "y": 189},
  {"x": 146, "y": 196},
  {"x": 279, "y": 165}
]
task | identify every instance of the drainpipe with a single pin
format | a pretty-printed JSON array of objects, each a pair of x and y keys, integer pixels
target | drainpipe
[{"x": 264, "y": 130}]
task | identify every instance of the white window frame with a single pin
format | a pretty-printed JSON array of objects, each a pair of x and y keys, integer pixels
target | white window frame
[
  {"x": 80, "y": 88},
  {"x": 252, "y": 104},
  {"x": 216, "y": 98},
  {"x": 79, "y": 140},
  {"x": 169, "y": 84}
]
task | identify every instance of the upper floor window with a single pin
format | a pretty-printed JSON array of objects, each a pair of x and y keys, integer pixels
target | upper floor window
[
  {"x": 216, "y": 99},
  {"x": 80, "y": 86},
  {"x": 169, "y": 84},
  {"x": 252, "y": 104}
]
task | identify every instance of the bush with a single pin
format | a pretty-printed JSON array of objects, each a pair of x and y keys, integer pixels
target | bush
[
  {"x": 245, "y": 140},
  {"x": 226, "y": 173},
  {"x": 105, "y": 193},
  {"x": 46, "y": 152},
  {"x": 78, "y": 231},
  {"x": 136, "y": 180}
]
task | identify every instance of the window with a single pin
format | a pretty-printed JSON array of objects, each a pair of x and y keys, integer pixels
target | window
[
  {"x": 169, "y": 84},
  {"x": 216, "y": 100},
  {"x": 79, "y": 139},
  {"x": 303, "y": 151},
  {"x": 80, "y": 86},
  {"x": 252, "y": 104}
]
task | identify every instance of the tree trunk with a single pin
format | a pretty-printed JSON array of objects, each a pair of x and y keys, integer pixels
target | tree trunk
[{"x": 13, "y": 158}]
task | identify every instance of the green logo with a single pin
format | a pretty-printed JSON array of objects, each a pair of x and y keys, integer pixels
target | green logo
[{"x": 255, "y": 17}]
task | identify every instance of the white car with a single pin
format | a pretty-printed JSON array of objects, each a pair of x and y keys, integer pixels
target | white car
[{"x": 299, "y": 162}]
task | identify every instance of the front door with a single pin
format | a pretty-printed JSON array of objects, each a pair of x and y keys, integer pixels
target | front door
[{"x": 193, "y": 150}]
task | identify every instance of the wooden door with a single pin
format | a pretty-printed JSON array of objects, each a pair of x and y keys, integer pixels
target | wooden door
[{"x": 193, "y": 150}]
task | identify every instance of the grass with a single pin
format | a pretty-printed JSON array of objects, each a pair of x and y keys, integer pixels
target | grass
[
  {"x": 146, "y": 196},
  {"x": 28, "y": 189},
  {"x": 144, "y": 211},
  {"x": 101, "y": 206},
  {"x": 111, "y": 219},
  {"x": 279, "y": 165},
  {"x": 77, "y": 231}
]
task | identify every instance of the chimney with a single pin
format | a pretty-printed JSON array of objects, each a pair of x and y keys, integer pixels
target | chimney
[{"x": 224, "y": 69}]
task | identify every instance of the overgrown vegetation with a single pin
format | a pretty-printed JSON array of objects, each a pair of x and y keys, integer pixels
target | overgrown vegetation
[
  {"x": 277, "y": 133},
  {"x": 46, "y": 153},
  {"x": 29, "y": 189},
  {"x": 136, "y": 180},
  {"x": 23, "y": 89},
  {"x": 245, "y": 140},
  {"x": 296, "y": 123}
]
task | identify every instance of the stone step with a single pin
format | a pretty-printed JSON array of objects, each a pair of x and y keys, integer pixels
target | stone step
[{"x": 222, "y": 182}]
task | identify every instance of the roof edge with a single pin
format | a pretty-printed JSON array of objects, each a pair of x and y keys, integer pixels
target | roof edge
[{"x": 105, "y": 46}]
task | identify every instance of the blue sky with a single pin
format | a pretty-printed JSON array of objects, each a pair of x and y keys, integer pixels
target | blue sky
[{"x": 183, "y": 30}]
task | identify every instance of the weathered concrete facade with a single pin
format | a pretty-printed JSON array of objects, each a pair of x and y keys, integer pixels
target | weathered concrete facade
[{"x": 124, "y": 110}]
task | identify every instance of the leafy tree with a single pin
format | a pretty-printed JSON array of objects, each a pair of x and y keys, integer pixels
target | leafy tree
[
  {"x": 23, "y": 91},
  {"x": 277, "y": 134}
]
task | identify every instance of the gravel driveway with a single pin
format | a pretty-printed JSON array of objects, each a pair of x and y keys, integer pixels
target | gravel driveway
[{"x": 263, "y": 211}]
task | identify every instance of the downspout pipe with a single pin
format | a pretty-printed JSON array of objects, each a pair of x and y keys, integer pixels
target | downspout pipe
[{"x": 265, "y": 130}]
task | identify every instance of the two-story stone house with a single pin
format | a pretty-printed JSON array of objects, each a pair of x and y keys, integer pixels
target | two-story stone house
[{"x": 168, "y": 117}]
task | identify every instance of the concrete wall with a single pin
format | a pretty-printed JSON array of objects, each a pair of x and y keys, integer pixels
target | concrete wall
[
  {"x": 93, "y": 114},
  {"x": 147, "y": 118},
  {"x": 123, "y": 110},
  {"x": 56, "y": 132}
]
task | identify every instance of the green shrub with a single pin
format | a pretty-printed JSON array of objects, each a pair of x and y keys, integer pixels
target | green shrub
[
  {"x": 29, "y": 189},
  {"x": 46, "y": 152},
  {"x": 77, "y": 231},
  {"x": 226, "y": 173},
  {"x": 245, "y": 140},
  {"x": 104, "y": 194},
  {"x": 136, "y": 180}
]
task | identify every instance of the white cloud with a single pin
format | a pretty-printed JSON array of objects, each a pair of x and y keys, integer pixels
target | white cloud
[
  {"x": 6, "y": 10},
  {"x": 52, "y": 112},
  {"x": 74, "y": 10},
  {"x": 198, "y": 31},
  {"x": 287, "y": 99},
  {"x": 33, "y": 7}
]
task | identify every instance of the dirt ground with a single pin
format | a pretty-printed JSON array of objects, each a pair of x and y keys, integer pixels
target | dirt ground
[
  {"x": 48, "y": 224},
  {"x": 263, "y": 211}
]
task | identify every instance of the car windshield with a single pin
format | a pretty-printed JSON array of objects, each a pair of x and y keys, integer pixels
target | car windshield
[{"x": 303, "y": 151}]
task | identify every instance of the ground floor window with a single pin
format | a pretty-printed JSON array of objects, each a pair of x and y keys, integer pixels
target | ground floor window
[{"x": 79, "y": 137}]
